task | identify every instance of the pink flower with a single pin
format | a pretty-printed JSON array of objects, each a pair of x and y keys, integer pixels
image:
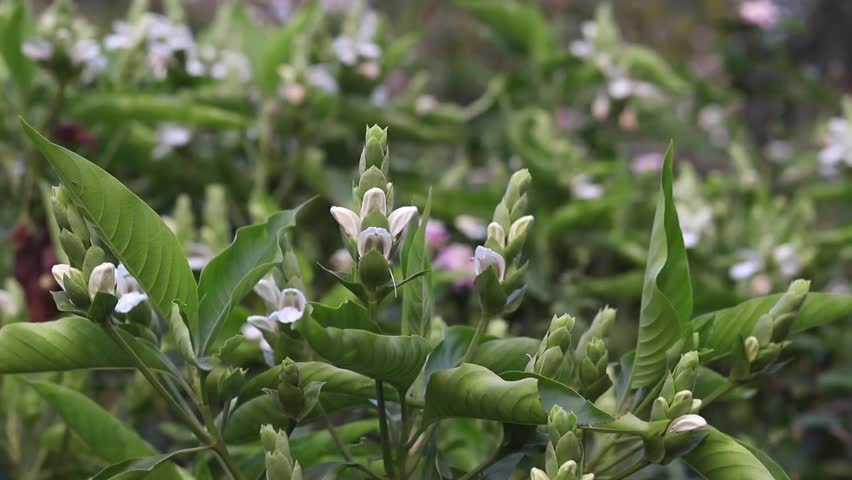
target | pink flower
[
  {"x": 436, "y": 234},
  {"x": 457, "y": 258},
  {"x": 760, "y": 13},
  {"x": 647, "y": 162}
]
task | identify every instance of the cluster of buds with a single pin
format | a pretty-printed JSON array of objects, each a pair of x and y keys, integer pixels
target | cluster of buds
[
  {"x": 554, "y": 358},
  {"x": 280, "y": 464},
  {"x": 88, "y": 272},
  {"x": 563, "y": 459},
  {"x": 295, "y": 397},
  {"x": 372, "y": 231},
  {"x": 769, "y": 335},
  {"x": 592, "y": 356},
  {"x": 676, "y": 398}
]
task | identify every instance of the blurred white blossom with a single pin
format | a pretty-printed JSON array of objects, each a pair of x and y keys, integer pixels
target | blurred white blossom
[
  {"x": 760, "y": 13},
  {"x": 169, "y": 137}
]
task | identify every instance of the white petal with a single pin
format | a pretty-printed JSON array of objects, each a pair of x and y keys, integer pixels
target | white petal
[
  {"x": 292, "y": 297},
  {"x": 375, "y": 200},
  {"x": 250, "y": 332},
  {"x": 484, "y": 258},
  {"x": 348, "y": 220},
  {"x": 102, "y": 279},
  {"x": 289, "y": 314},
  {"x": 687, "y": 423},
  {"x": 263, "y": 323},
  {"x": 59, "y": 272},
  {"x": 375, "y": 238},
  {"x": 268, "y": 291},
  {"x": 399, "y": 218},
  {"x": 129, "y": 301}
]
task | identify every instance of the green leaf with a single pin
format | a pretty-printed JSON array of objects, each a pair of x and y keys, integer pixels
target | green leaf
[
  {"x": 335, "y": 380},
  {"x": 472, "y": 391},
  {"x": 394, "y": 359},
  {"x": 14, "y": 28},
  {"x": 109, "y": 108},
  {"x": 130, "y": 228},
  {"x": 777, "y": 472},
  {"x": 233, "y": 273},
  {"x": 416, "y": 296},
  {"x": 320, "y": 447},
  {"x": 346, "y": 315},
  {"x": 496, "y": 354},
  {"x": 666, "y": 309},
  {"x": 521, "y": 24},
  {"x": 70, "y": 343},
  {"x": 137, "y": 468},
  {"x": 720, "y": 457},
  {"x": 106, "y": 437},
  {"x": 722, "y": 329}
]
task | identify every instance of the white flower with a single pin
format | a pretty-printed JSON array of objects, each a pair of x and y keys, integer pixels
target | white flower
[
  {"x": 750, "y": 265},
  {"x": 170, "y": 136},
  {"x": 425, "y": 104},
  {"x": 8, "y": 304},
  {"x": 349, "y": 221},
  {"x": 485, "y": 258},
  {"x": 37, "y": 49},
  {"x": 538, "y": 474},
  {"x": 102, "y": 279},
  {"x": 252, "y": 333},
  {"x": 62, "y": 270},
  {"x": 496, "y": 233},
  {"x": 128, "y": 290},
  {"x": 287, "y": 305},
  {"x": 584, "y": 188},
  {"x": 341, "y": 260},
  {"x": 687, "y": 423},
  {"x": 375, "y": 238},
  {"x": 399, "y": 218},
  {"x": 319, "y": 76},
  {"x": 787, "y": 259},
  {"x": 471, "y": 227},
  {"x": 520, "y": 227},
  {"x": 373, "y": 201}
]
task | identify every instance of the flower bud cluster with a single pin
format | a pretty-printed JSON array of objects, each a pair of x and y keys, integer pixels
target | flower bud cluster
[
  {"x": 563, "y": 458},
  {"x": 280, "y": 464},
  {"x": 372, "y": 231},
  {"x": 676, "y": 398},
  {"x": 554, "y": 358}
]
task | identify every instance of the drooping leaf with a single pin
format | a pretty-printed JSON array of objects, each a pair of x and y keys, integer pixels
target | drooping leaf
[
  {"x": 70, "y": 343},
  {"x": 416, "y": 295},
  {"x": 664, "y": 317},
  {"x": 137, "y": 468},
  {"x": 722, "y": 329},
  {"x": 131, "y": 229},
  {"x": 233, "y": 273},
  {"x": 109, "y": 108},
  {"x": 347, "y": 315},
  {"x": 720, "y": 457},
  {"x": 106, "y": 437},
  {"x": 394, "y": 359},
  {"x": 472, "y": 391}
]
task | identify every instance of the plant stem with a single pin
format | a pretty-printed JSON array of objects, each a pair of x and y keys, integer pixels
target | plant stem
[
  {"x": 717, "y": 393},
  {"x": 617, "y": 460},
  {"x": 219, "y": 445},
  {"x": 629, "y": 471},
  {"x": 334, "y": 435},
  {"x": 149, "y": 375},
  {"x": 403, "y": 437},
  {"x": 476, "y": 471},
  {"x": 383, "y": 427},
  {"x": 477, "y": 337}
]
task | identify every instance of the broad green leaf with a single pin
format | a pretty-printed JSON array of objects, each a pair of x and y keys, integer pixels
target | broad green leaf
[
  {"x": 233, "y": 273},
  {"x": 777, "y": 472},
  {"x": 496, "y": 354},
  {"x": 106, "y": 437},
  {"x": 708, "y": 381},
  {"x": 472, "y": 391},
  {"x": 335, "y": 380},
  {"x": 720, "y": 457},
  {"x": 108, "y": 108},
  {"x": 70, "y": 343},
  {"x": 129, "y": 227},
  {"x": 319, "y": 447},
  {"x": 13, "y": 29},
  {"x": 416, "y": 296},
  {"x": 137, "y": 468},
  {"x": 347, "y": 315},
  {"x": 722, "y": 329},
  {"x": 664, "y": 317},
  {"x": 394, "y": 359},
  {"x": 520, "y": 23}
]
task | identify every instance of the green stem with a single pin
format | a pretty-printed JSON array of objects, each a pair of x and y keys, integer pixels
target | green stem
[
  {"x": 600, "y": 452},
  {"x": 219, "y": 445},
  {"x": 717, "y": 393},
  {"x": 477, "y": 337},
  {"x": 334, "y": 435},
  {"x": 403, "y": 438},
  {"x": 476, "y": 471},
  {"x": 620, "y": 458},
  {"x": 629, "y": 471},
  {"x": 383, "y": 427}
]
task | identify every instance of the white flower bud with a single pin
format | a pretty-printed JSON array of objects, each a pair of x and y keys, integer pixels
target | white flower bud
[
  {"x": 485, "y": 258},
  {"x": 568, "y": 469},
  {"x": 102, "y": 279},
  {"x": 496, "y": 233},
  {"x": 399, "y": 218},
  {"x": 696, "y": 405},
  {"x": 687, "y": 423},
  {"x": 588, "y": 476},
  {"x": 537, "y": 474},
  {"x": 348, "y": 220},
  {"x": 752, "y": 348},
  {"x": 62, "y": 270},
  {"x": 375, "y": 200},
  {"x": 520, "y": 227},
  {"x": 375, "y": 238}
]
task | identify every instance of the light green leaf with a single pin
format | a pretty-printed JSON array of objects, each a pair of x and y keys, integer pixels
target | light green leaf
[
  {"x": 416, "y": 295},
  {"x": 137, "y": 468},
  {"x": 129, "y": 227},
  {"x": 106, "y": 437},
  {"x": 394, "y": 359},
  {"x": 472, "y": 391},
  {"x": 70, "y": 343},
  {"x": 521, "y": 24},
  {"x": 319, "y": 447},
  {"x": 109, "y": 108},
  {"x": 233, "y": 273},
  {"x": 777, "y": 472},
  {"x": 722, "y": 329},
  {"x": 666, "y": 309},
  {"x": 720, "y": 457}
]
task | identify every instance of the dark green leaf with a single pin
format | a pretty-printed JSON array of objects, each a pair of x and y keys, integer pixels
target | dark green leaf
[
  {"x": 131, "y": 229},
  {"x": 233, "y": 273},
  {"x": 666, "y": 309},
  {"x": 416, "y": 296},
  {"x": 347, "y": 315},
  {"x": 498, "y": 355},
  {"x": 521, "y": 24},
  {"x": 720, "y": 457}
]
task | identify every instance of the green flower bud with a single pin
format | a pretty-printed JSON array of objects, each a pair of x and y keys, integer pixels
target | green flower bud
[
  {"x": 785, "y": 311},
  {"x": 268, "y": 438},
  {"x": 551, "y": 363},
  {"x": 598, "y": 329},
  {"x": 59, "y": 206},
  {"x": 564, "y": 321},
  {"x": 278, "y": 467},
  {"x": 290, "y": 392},
  {"x": 518, "y": 184},
  {"x": 659, "y": 409},
  {"x": 78, "y": 225},
  {"x": 95, "y": 256},
  {"x": 371, "y": 178},
  {"x": 374, "y": 270},
  {"x": 375, "y": 152},
  {"x": 569, "y": 448},
  {"x": 559, "y": 338},
  {"x": 73, "y": 247},
  {"x": 184, "y": 220},
  {"x": 685, "y": 371},
  {"x": 560, "y": 422},
  {"x": 519, "y": 209},
  {"x": 681, "y": 404}
]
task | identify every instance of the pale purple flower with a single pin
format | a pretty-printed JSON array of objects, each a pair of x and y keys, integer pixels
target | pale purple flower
[
  {"x": 456, "y": 258},
  {"x": 436, "y": 234},
  {"x": 760, "y": 13},
  {"x": 647, "y": 162}
]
